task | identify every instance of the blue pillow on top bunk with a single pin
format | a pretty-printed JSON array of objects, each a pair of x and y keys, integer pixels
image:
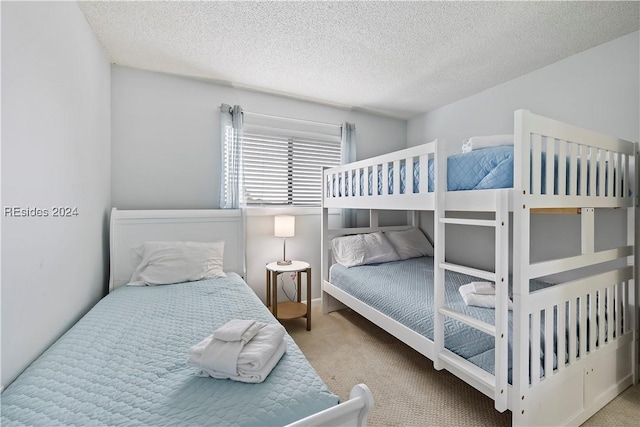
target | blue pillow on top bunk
[{"x": 360, "y": 249}]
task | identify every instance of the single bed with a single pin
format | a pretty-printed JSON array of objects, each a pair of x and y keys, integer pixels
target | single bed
[
  {"x": 124, "y": 362},
  {"x": 587, "y": 171}
]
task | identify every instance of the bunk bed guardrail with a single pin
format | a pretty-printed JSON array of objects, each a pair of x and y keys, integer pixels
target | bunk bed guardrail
[{"x": 588, "y": 324}]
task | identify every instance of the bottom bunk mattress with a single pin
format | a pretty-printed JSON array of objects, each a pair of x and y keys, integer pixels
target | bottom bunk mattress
[
  {"x": 403, "y": 291},
  {"x": 124, "y": 363}
]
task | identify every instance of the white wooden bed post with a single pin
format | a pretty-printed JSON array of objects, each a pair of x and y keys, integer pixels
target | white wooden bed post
[
  {"x": 521, "y": 257},
  {"x": 502, "y": 295},
  {"x": 440, "y": 173},
  {"x": 325, "y": 258}
]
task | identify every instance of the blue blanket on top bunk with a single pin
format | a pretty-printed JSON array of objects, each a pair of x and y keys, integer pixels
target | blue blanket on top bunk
[
  {"x": 484, "y": 169},
  {"x": 487, "y": 168},
  {"x": 403, "y": 290},
  {"x": 124, "y": 363}
]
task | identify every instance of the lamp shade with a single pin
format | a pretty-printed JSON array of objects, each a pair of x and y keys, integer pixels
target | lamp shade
[{"x": 284, "y": 226}]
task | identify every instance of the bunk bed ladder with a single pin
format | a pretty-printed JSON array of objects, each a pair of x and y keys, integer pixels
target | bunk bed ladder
[{"x": 495, "y": 385}]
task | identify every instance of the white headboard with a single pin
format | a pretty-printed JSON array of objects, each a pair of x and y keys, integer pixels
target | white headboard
[{"x": 130, "y": 228}]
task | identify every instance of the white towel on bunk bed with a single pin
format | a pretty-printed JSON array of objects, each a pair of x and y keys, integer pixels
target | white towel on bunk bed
[
  {"x": 480, "y": 294},
  {"x": 252, "y": 363},
  {"x": 480, "y": 142},
  {"x": 481, "y": 288}
]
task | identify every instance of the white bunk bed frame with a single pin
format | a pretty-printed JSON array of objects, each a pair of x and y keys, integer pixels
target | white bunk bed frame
[{"x": 575, "y": 390}]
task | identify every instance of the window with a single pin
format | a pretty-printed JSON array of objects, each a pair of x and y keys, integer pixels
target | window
[{"x": 282, "y": 159}]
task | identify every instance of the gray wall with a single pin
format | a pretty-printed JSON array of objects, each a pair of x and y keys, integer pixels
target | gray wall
[
  {"x": 597, "y": 89},
  {"x": 55, "y": 152},
  {"x": 166, "y": 154}
]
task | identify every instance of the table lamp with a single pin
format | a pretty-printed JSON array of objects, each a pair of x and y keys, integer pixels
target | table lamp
[{"x": 284, "y": 226}]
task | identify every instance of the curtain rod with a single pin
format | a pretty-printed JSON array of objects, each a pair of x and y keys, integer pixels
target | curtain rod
[{"x": 289, "y": 118}]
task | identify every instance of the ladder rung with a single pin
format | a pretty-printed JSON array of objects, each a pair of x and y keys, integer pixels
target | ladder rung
[
  {"x": 462, "y": 364},
  {"x": 463, "y": 221},
  {"x": 483, "y": 274},
  {"x": 485, "y": 327}
]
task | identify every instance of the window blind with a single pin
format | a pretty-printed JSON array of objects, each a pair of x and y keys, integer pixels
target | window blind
[{"x": 282, "y": 159}]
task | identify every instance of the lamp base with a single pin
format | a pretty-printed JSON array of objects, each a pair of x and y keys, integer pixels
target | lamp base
[{"x": 284, "y": 262}]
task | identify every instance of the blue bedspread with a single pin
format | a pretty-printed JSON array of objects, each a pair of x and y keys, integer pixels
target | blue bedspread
[
  {"x": 479, "y": 169},
  {"x": 488, "y": 168},
  {"x": 123, "y": 363},
  {"x": 403, "y": 290}
]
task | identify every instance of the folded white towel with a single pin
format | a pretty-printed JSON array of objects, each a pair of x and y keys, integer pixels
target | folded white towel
[
  {"x": 222, "y": 351},
  {"x": 249, "y": 376},
  {"x": 479, "y": 142},
  {"x": 480, "y": 300},
  {"x": 223, "y": 356},
  {"x": 256, "y": 353},
  {"x": 480, "y": 288},
  {"x": 237, "y": 330},
  {"x": 256, "y": 373},
  {"x": 254, "y": 361}
]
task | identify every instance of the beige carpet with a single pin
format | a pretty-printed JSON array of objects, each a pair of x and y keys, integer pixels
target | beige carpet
[{"x": 346, "y": 349}]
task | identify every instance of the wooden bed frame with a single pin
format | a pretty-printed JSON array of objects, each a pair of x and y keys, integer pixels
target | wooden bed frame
[
  {"x": 593, "y": 375},
  {"x": 130, "y": 228}
]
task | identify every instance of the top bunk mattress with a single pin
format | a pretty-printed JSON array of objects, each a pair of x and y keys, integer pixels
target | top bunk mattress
[{"x": 124, "y": 363}]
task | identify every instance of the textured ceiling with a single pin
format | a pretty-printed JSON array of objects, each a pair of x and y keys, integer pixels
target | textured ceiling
[{"x": 394, "y": 58}]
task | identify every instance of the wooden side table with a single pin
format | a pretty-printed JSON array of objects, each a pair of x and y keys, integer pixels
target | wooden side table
[{"x": 289, "y": 309}]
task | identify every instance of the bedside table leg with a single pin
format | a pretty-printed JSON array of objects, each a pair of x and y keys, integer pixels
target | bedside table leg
[
  {"x": 274, "y": 302},
  {"x": 268, "y": 294},
  {"x": 308, "y": 299}
]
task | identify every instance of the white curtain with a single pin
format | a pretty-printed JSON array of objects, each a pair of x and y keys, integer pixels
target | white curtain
[
  {"x": 231, "y": 188},
  {"x": 348, "y": 145},
  {"x": 348, "y": 155}
]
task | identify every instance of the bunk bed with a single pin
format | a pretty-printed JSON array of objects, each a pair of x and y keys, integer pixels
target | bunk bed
[
  {"x": 125, "y": 361},
  {"x": 587, "y": 317}
]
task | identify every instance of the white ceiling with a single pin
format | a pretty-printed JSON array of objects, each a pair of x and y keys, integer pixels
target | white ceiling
[{"x": 394, "y": 58}]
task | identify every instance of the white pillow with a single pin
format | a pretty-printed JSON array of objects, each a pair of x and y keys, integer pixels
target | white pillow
[
  {"x": 410, "y": 243},
  {"x": 361, "y": 249},
  {"x": 175, "y": 262},
  {"x": 480, "y": 142},
  {"x": 348, "y": 250}
]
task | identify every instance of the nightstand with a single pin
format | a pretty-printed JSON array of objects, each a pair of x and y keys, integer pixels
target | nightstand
[{"x": 289, "y": 309}]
